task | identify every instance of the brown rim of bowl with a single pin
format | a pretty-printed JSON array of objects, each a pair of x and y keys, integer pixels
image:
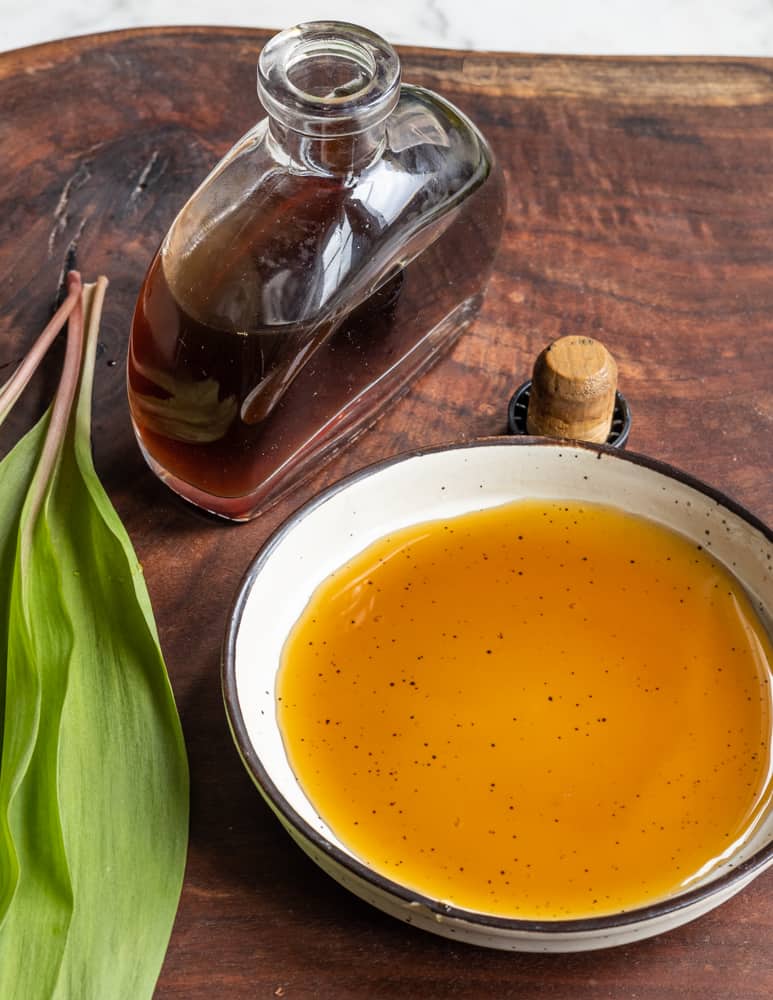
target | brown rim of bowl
[{"x": 652, "y": 911}]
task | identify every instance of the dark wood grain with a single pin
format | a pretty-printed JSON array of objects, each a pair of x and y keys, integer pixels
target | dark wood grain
[{"x": 640, "y": 211}]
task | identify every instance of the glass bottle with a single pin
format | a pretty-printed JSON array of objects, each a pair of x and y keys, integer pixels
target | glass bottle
[{"x": 323, "y": 264}]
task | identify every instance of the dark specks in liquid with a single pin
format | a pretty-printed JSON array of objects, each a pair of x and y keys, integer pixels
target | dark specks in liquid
[{"x": 546, "y": 722}]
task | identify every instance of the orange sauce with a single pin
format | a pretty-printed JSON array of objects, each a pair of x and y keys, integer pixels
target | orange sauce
[{"x": 542, "y": 710}]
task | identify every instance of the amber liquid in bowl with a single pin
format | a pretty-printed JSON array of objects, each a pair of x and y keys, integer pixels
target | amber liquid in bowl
[{"x": 543, "y": 710}]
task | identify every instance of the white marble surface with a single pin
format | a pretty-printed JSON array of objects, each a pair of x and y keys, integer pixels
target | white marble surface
[{"x": 688, "y": 27}]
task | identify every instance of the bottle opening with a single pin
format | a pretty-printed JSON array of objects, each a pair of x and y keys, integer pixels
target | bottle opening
[
  {"x": 328, "y": 78},
  {"x": 331, "y": 71}
]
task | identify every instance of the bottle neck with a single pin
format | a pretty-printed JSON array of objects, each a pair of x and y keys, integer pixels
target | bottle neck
[
  {"x": 328, "y": 88},
  {"x": 340, "y": 155}
]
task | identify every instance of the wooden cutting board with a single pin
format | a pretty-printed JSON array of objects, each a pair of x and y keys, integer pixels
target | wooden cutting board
[{"x": 640, "y": 212}]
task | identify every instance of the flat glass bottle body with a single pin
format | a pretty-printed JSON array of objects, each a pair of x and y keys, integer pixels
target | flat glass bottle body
[{"x": 303, "y": 287}]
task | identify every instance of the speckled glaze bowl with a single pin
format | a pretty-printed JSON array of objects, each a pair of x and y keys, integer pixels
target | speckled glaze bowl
[{"x": 344, "y": 520}]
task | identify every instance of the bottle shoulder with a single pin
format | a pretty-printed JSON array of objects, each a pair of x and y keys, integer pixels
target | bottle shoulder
[
  {"x": 280, "y": 239},
  {"x": 428, "y": 145}
]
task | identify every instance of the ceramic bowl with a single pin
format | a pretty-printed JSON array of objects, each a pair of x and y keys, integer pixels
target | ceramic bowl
[{"x": 441, "y": 483}]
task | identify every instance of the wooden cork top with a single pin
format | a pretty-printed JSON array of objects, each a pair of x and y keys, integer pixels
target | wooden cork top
[{"x": 573, "y": 390}]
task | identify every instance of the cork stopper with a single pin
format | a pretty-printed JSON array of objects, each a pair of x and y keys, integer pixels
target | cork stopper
[{"x": 573, "y": 390}]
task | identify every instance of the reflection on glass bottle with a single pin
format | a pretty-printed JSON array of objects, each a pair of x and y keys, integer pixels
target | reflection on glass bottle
[{"x": 325, "y": 262}]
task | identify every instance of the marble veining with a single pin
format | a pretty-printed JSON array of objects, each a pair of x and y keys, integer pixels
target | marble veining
[{"x": 660, "y": 27}]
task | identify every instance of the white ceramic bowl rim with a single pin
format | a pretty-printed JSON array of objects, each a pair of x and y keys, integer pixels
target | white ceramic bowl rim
[{"x": 741, "y": 873}]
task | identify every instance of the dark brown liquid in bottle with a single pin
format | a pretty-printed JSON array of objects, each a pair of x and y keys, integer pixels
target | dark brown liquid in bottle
[{"x": 232, "y": 410}]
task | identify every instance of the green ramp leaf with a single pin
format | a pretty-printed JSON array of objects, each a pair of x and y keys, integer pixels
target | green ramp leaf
[{"x": 93, "y": 775}]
